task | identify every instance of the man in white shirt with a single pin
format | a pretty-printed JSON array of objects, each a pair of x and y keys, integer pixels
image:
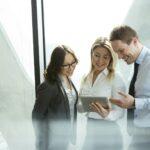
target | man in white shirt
[{"x": 126, "y": 44}]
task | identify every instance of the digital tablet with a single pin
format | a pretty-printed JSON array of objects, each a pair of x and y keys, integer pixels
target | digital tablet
[{"x": 87, "y": 100}]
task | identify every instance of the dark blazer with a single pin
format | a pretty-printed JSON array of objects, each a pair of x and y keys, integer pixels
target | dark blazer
[{"x": 51, "y": 117}]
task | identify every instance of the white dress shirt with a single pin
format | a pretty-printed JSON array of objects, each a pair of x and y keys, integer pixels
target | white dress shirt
[
  {"x": 142, "y": 90},
  {"x": 106, "y": 88},
  {"x": 72, "y": 99},
  {"x": 71, "y": 94}
]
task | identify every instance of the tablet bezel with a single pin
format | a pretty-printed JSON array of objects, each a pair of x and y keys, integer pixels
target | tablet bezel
[{"x": 86, "y": 100}]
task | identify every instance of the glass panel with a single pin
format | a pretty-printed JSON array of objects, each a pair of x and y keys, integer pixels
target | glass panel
[
  {"x": 17, "y": 94},
  {"x": 78, "y": 23}
]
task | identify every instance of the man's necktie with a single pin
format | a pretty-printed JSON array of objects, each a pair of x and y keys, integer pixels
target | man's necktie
[{"x": 130, "y": 112}]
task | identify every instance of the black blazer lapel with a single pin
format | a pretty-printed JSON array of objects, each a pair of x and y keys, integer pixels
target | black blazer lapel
[{"x": 66, "y": 102}]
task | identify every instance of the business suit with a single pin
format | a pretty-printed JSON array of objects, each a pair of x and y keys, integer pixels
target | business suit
[
  {"x": 141, "y": 132},
  {"x": 52, "y": 120}
]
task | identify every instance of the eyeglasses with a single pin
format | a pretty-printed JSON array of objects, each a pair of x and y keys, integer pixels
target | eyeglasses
[{"x": 67, "y": 66}]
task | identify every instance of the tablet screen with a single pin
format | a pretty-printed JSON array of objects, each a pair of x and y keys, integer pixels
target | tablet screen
[{"x": 87, "y": 100}]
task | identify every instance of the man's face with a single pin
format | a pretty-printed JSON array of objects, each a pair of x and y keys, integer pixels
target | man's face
[{"x": 125, "y": 51}]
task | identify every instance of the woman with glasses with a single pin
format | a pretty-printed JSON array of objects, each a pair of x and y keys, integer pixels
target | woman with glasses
[
  {"x": 54, "y": 114},
  {"x": 103, "y": 133}
]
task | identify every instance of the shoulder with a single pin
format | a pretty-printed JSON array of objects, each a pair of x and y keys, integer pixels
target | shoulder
[
  {"x": 83, "y": 82},
  {"x": 47, "y": 86},
  {"x": 83, "y": 78},
  {"x": 147, "y": 55},
  {"x": 118, "y": 75},
  {"x": 145, "y": 65},
  {"x": 119, "y": 83},
  {"x": 118, "y": 79}
]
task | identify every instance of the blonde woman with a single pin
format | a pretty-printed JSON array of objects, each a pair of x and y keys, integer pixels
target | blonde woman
[{"x": 102, "y": 80}]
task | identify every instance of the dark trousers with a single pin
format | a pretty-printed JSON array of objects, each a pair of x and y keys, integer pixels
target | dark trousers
[
  {"x": 102, "y": 135},
  {"x": 140, "y": 139}
]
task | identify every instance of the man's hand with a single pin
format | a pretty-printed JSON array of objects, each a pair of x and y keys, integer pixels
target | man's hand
[
  {"x": 97, "y": 107},
  {"x": 127, "y": 101}
]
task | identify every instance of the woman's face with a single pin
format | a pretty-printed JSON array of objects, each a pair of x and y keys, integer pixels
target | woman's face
[
  {"x": 68, "y": 65},
  {"x": 100, "y": 59}
]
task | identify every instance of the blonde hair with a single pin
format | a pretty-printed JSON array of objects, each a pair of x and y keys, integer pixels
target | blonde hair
[{"x": 105, "y": 43}]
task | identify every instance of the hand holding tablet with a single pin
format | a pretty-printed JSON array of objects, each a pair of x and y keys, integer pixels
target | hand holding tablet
[{"x": 88, "y": 100}]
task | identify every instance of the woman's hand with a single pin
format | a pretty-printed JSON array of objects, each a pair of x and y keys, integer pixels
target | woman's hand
[{"x": 100, "y": 109}]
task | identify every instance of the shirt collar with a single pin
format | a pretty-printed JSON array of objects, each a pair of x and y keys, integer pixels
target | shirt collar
[
  {"x": 141, "y": 56},
  {"x": 104, "y": 72}
]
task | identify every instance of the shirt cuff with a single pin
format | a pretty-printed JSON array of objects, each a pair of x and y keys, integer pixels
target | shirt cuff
[
  {"x": 111, "y": 116},
  {"x": 139, "y": 103}
]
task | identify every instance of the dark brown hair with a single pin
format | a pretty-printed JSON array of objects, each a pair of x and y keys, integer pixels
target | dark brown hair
[
  {"x": 56, "y": 62},
  {"x": 123, "y": 33}
]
